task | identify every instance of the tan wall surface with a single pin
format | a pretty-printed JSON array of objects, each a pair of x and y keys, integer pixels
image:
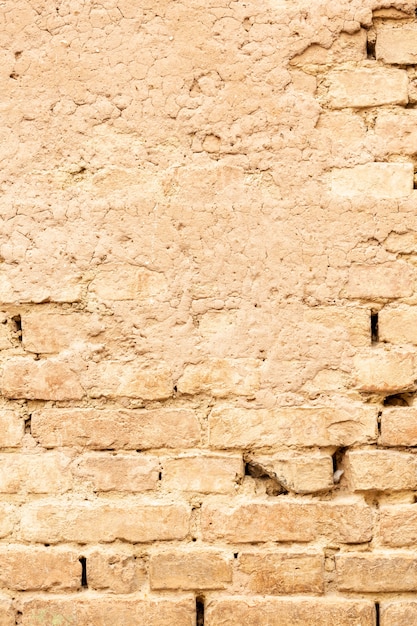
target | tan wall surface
[{"x": 208, "y": 327}]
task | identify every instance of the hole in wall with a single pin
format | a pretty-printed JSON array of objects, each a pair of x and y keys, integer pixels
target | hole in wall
[
  {"x": 17, "y": 321},
  {"x": 83, "y": 562},
  {"x": 28, "y": 425},
  {"x": 398, "y": 399},
  {"x": 374, "y": 327},
  {"x": 377, "y": 614},
  {"x": 370, "y": 47},
  {"x": 199, "y": 610},
  {"x": 273, "y": 486}
]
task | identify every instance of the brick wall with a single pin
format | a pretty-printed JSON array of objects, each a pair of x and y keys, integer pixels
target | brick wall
[{"x": 208, "y": 322}]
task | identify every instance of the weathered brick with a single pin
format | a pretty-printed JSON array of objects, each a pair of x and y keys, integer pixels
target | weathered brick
[
  {"x": 40, "y": 380},
  {"x": 387, "y": 571},
  {"x": 346, "y": 48},
  {"x": 398, "y": 525},
  {"x": 381, "y": 470},
  {"x": 7, "y": 613},
  {"x": 365, "y": 87},
  {"x": 115, "y": 571},
  {"x": 102, "y": 611},
  {"x": 127, "y": 282},
  {"x": 105, "y": 472},
  {"x": 52, "y": 522},
  {"x": 380, "y": 282},
  {"x": 7, "y": 519},
  {"x": 104, "y": 429},
  {"x": 221, "y": 377},
  {"x": 12, "y": 429},
  {"x": 114, "y": 379},
  {"x": 27, "y": 568},
  {"x": 379, "y": 180},
  {"x": 398, "y": 325},
  {"x": 405, "y": 242},
  {"x": 232, "y": 427},
  {"x": 206, "y": 474},
  {"x": 398, "y": 427},
  {"x": 49, "y": 333},
  {"x": 398, "y": 613},
  {"x": 289, "y": 612},
  {"x": 299, "y": 473},
  {"x": 397, "y": 131},
  {"x": 272, "y": 573},
  {"x": 34, "y": 473},
  {"x": 397, "y": 44},
  {"x": 287, "y": 520},
  {"x": 190, "y": 570},
  {"x": 382, "y": 371},
  {"x": 352, "y": 321}
]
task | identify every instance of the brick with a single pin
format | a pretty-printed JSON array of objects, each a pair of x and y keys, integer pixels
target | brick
[
  {"x": 7, "y": 519},
  {"x": 384, "y": 572},
  {"x": 396, "y": 44},
  {"x": 299, "y": 473},
  {"x": 381, "y": 470},
  {"x": 271, "y": 573},
  {"x": 287, "y": 520},
  {"x": 397, "y": 131},
  {"x": 114, "y": 379},
  {"x": 398, "y": 427},
  {"x": 200, "y": 569},
  {"x": 383, "y": 371},
  {"x": 352, "y": 321},
  {"x": 398, "y": 525},
  {"x": 40, "y": 380},
  {"x": 12, "y": 429},
  {"x": 105, "y": 472},
  {"x": 49, "y": 333},
  {"x": 345, "y": 48},
  {"x": 51, "y": 522},
  {"x": 232, "y": 427},
  {"x": 379, "y": 180},
  {"x": 365, "y": 87},
  {"x": 205, "y": 474},
  {"x": 25, "y": 568},
  {"x": 289, "y": 612},
  {"x": 398, "y": 613},
  {"x": 380, "y": 282},
  {"x": 221, "y": 377},
  {"x": 102, "y": 611},
  {"x": 127, "y": 282},
  {"x": 115, "y": 571},
  {"x": 34, "y": 473},
  {"x": 118, "y": 429},
  {"x": 398, "y": 325},
  {"x": 7, "y": 613}
]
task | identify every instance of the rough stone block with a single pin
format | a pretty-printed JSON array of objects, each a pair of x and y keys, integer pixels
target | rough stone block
[
  {"x": 221, "y": 377},
  {"x": 365, "y": 87},
  {"x": 114, "y": 380},
  {"x": 346, "y": 48},
  {"x": 12, "y": 429},
  {"x": 27, "y": 568},
  {"x": 398, "y": 525},
  {"x": 50, "y": 333},
  {"x": 398, "y": 427},
  {"x": 397, "y": 131},
  {"x": 398, "y": 612},
  {"x": 381, "y": 470},
  {"x": 380, "y": 282},
  {"x": 106, "y": 472},
  {"x": 379, "y": 180},
  {"x": 378, "y": 572},
  {"x": 205, "y": 474},
  {"x": 35, "y": 473},
  {"x": 190, "y": 570},
  {"x": 385, "y": 372},
  {"x": 397, "y": 44},
  {"x": 40, "y": 380},
  {"x": 115, "y": 571},
  {"x": 398, "y": 325},
  {"x": 299, "y": 473}
]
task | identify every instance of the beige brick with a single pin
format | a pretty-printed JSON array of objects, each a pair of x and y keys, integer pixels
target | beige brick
[
  {"x": 353, "y": 322},
  {"x": 114, "y": 379},
  {"x": 287, "y": 520},
  {"x": 383, "y": 572},
  {"x": 189, "y": 570},
  {"x": 127, "y": 282},
  {"x": 397, "y": 131},
  {"x": 341, "y": 126},
  {"x": 7, "y": 613},
  {"x": 397, "y": 44},
  {"x": 34, "y": 473},
  {"x": 49, "y": 333},
  {"x": 105, "y": 472},
  {"x": 26, "y": 568},
  {"x": 221, "y": 377},
  {"x": 398, "y": 325},
  {"x": 379, "y": 180},
  {"x": 12, "y": 429},
  {"x": 345, "y": 48},
  {"x": 40, "y": 380},
  {"x": 102, "y": 611},
  {"x": 271, "y": 573},
  {"x": 118, "y": 429},
  {"x": 376, "y": 282},
  {"x": 381, "y": 470},
  {"x": 398, "y": 427},
  {"x": 289, "y": 612},
  {"x": 398, "y": 525},
  {"x": 54, "y": 522},
  {"x": 7, "y": 519},
  {"x": 299, "y": 473},
  {"x": 366, "y": 87},
  {"x": 303, "y": 426},
  {"x": 206, "y": 474},
  {"x": 398, "y": 613},
  {"x": 382, "y": 371},
  {"x": 114, "y": 571}
]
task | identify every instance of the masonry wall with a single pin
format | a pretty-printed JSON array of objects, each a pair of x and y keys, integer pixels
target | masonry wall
[{"x": 208, "y": 321}]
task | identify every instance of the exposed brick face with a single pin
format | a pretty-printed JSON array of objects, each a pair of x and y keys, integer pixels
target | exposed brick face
[{"x": 208, "y": 313}]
